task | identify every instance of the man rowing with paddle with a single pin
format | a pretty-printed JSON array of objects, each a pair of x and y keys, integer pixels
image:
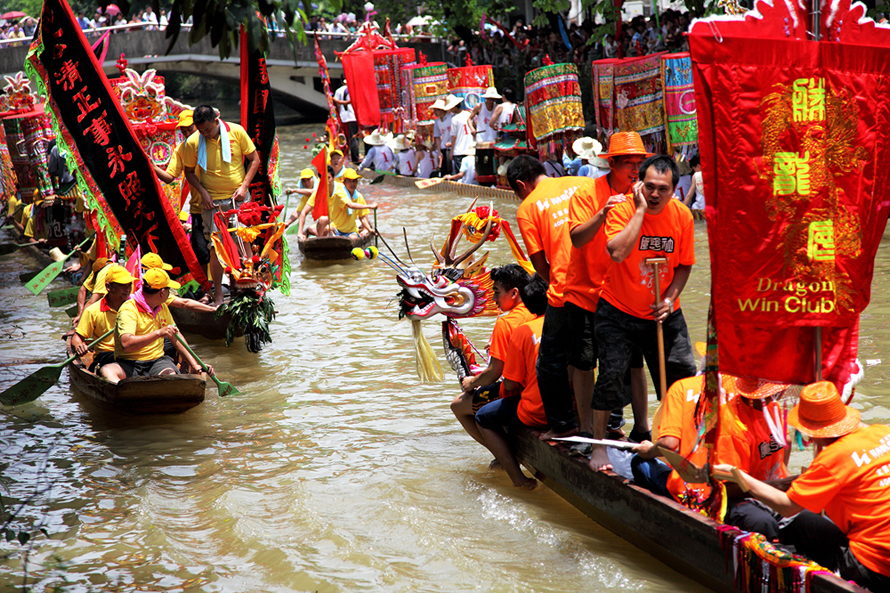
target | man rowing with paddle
[
  {"x": 94, "y": 284},
  {"x": 630, "y": 315},
  {"x": 848, "y": 480},
  {"x": 100, "y": 317},
  {"x": 217, "y": 151},
  {"x": 345, "y": 206},
  {"x": 142, "y": 324},
  {"x": 153, "y": 261}
]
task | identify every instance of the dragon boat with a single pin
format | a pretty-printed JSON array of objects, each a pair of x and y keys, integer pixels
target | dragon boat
[
  {"x": 168, "y": 394},
  {"x": 461, "y": 189},
  {"x": 718, "y": 556},
  {"x": 333, "y": 248}
]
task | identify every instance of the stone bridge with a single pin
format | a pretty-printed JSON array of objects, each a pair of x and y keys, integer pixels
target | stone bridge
[{"x": 293, "y": 71}]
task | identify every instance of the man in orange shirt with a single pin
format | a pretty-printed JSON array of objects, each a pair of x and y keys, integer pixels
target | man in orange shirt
[
  {"x": 849, "y": 479},
  {"x": 543, "y": 218},
  {"x": 590, "y": 262},
  {"x": 652, "y": 225},
  {"x": 480, "y": 389},
  {"x": 519, "y": 373}
]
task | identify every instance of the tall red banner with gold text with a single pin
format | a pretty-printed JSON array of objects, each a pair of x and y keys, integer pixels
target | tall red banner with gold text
[{"x": 792, "y": 136}]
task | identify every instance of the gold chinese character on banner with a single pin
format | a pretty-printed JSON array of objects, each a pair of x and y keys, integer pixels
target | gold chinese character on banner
[
  {"x": 820, "y": 241},
  {"x": 808, "y": 99},
  {"x": 792, "y": 174}
]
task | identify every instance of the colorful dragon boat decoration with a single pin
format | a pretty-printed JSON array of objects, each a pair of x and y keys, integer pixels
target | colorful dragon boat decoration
[{"x": 457, "y": 287}]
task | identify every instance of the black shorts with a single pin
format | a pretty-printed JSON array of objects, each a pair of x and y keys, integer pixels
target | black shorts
[
  {"x": 142, "y": 368},
  {"x": 582, "y": 350},
  {"x": 100, "y": 359},
  {"x": 486, "y": 394}
]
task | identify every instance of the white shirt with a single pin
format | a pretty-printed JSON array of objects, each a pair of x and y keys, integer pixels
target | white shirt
[
  {"x": 406, "y": 162},
  {"x": 425, "y": 166},
  {"x": 506, "y": 116},
  {"x": 468, "y": 168},
  {"x": 381, "y": 157},
  {"x": 346, "y": 112},
  {"x": 485, "y": 131},
  {"x": 460, "y": 133},
  {"x": 442, "y": 130}
]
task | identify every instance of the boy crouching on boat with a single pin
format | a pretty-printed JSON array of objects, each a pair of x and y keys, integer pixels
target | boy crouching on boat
[
  {"x": 345, "y": 206},
  {"x": 485, "y": 387},
  {"x": 142, "y": 324},
  {"x": 519, "y": 373},
  {"x": 100, "y": 317}
]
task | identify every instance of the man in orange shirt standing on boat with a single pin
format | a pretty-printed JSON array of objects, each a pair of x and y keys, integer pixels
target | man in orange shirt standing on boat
[
  {"x": 519, "y": 374},
  {"x": 590, "y": 262},
  {"x": 849, "y": 480},
  {"x": 486, "y": 386},
  {"x": 653, "y": 225},
  {"x": 543, "y": 222}
]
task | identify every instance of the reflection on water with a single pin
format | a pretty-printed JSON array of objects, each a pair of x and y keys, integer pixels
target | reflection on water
[{"x": 335, "y": 470}]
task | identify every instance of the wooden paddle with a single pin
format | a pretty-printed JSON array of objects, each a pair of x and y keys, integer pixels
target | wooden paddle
[
  {"x": 36, "y": 384},
  {"x": 71, "y": 311},
  {"x": 7, "y": 248},
  {"x": 223, "y": 387},
  {"x": 662, "y": 379},
  {"x": 63, "y": 297},
  {"x": 690, "y": 472},
  {"x": 625, "y": 445},
  {"x": 27, "y": 276},
  {"x": 42, "y": 280},
  {"x": 425, "y": 183}
]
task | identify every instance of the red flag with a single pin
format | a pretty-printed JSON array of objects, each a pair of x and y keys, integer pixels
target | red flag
[
  {"x": 320, "y": 162},
  {"x": 792, "y": 139},
  {"x": 134, "y": 266}
]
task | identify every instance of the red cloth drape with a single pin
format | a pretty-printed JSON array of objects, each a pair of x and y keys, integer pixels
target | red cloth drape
[{"x": 358, "y": 67}]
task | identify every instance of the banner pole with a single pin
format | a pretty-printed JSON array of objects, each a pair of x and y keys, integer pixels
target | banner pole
[{"x": 818, "y": 353}]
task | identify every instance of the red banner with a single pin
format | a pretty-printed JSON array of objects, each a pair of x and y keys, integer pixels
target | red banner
[
  {"x": 791, "y": 135},
  {"x": 320, "y": 162}
]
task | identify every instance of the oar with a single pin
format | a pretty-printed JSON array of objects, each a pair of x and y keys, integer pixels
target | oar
[
  {"x": 71, "y": 311},
  {"x": 63, "y": 297},
  {"x": 27, "y": 276},
  {"x": 42, "y": 280},
  {"x": 223, "y": 387},
  {"x": 376, "y": 235},
  {"x": 7, "y": 248},
  {"x": 662, "y": 379},
  {"x": 35, "y": 384},
  {"x": 425, "y": 183},
  {"x": 626, "y": 445}
]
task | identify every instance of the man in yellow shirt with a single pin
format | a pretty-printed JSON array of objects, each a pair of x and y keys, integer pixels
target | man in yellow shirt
[
  {"x": 142, "y": 324},
  {"x": 175, "y": 168},
  {"x": 153, "y": 261},
  {"x": 218, "y": 151},
  {"x": 345, "y": 205},
  {"x": 100, "y": 317},
  {"x": 94, "y": 284}
]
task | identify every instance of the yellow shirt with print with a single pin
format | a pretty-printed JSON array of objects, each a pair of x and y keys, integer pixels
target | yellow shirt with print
[
  {"x": 32, "y": 233},
  {"x": 131, "y": 320},
  {"x": 95, "y": 322},
  {"x": 24, "y": 215},
  {"x": 11, "y": 204},
  {"x": 95, "y": 283},
  {"x": 220, "y": 179},
  {"x": 175, "y": 168},
  {"x": 338, "y": 211}
]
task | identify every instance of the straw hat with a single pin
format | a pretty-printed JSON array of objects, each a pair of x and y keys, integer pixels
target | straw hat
[
  {"x": 821, "y": 413},
  {"x": 439, "y": 104},
  {"x": 375, "y": 138},
  {"x": 587, "y": 149},
  {"x": 452, "y": 101},
  {"x": 491, "y": 93},
  {"x": 56, "y": 254},
  {"x": 626, "y": 144},
  {"x": 471, "y": 149},
  {"x": 400, "y": 143},
  {"x": 752, "y": 388}
]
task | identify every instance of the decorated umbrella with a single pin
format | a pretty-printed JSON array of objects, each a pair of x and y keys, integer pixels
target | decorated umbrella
[{"x": 15, "y": 14}]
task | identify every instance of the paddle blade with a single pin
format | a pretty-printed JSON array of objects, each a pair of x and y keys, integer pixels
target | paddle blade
[
  {"x": 71, "y": 311},
  {"x": 7, "y": 248},
  {"x": 425, "y": 183},
  {"x": 64, "y": 297},
  {"x": 27, "y": 276},
  {"x": 32, "y": 387},
  {"x": 377, "y": 180},
  {"x": 42, "y": 280},
  {"x": 226, "y": 388}
]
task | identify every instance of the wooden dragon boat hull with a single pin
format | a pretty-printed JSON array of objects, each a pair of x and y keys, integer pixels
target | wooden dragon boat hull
[
  {"x": 683, "y": 539},
  {"x": 172, "y": 394},
  {"x": 463, "y": 189},
  {"x": 332, "y": 248},
  {"x": 201, "y": 323}
]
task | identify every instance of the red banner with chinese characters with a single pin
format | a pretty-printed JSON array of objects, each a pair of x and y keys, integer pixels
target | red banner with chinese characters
[
  {"x": 112, "y": 168},
  {"x": 791, "y": 135}
]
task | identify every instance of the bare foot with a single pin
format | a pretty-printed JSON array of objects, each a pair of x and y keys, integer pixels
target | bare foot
[
  {"x": 550, "y": 435},
  {"x": 527, "y": 483},
  {"x": 495, "y": 464},
  {"x": 217, "y": 303},
  {"x": 599, "y": 460}
]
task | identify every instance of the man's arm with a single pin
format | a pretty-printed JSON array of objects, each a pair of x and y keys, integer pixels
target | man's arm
[
  {"x": 649, "y": 450},
  {"x": 771, "y": 497},
  {"x": 191, "y": 305},
  {"x": 163, "y": 175},
  {"x": 79, "y": 345},
  {"x": 360, "y": 206},
  {"x": 187, "y": 356},
  {"x": 132, "y": 342},
  {"x": 302, "y": 222},
  {"x": 192, "y": 177},
  {"x": 496, "y": 117},
  {"x": 670, "y": 296},
  {"x": 585, "y": 232},
  {"x": 491, "y": 374},
  {"x": 624, "y": 242},
  {"x": 542, "y": 266},
  {"x": 244, "y": 189}
]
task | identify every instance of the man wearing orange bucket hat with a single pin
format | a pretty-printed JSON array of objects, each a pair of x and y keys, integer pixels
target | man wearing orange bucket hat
[
  {"x": 849, "y": 479},
  {"x": 650, "y": 240}
]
